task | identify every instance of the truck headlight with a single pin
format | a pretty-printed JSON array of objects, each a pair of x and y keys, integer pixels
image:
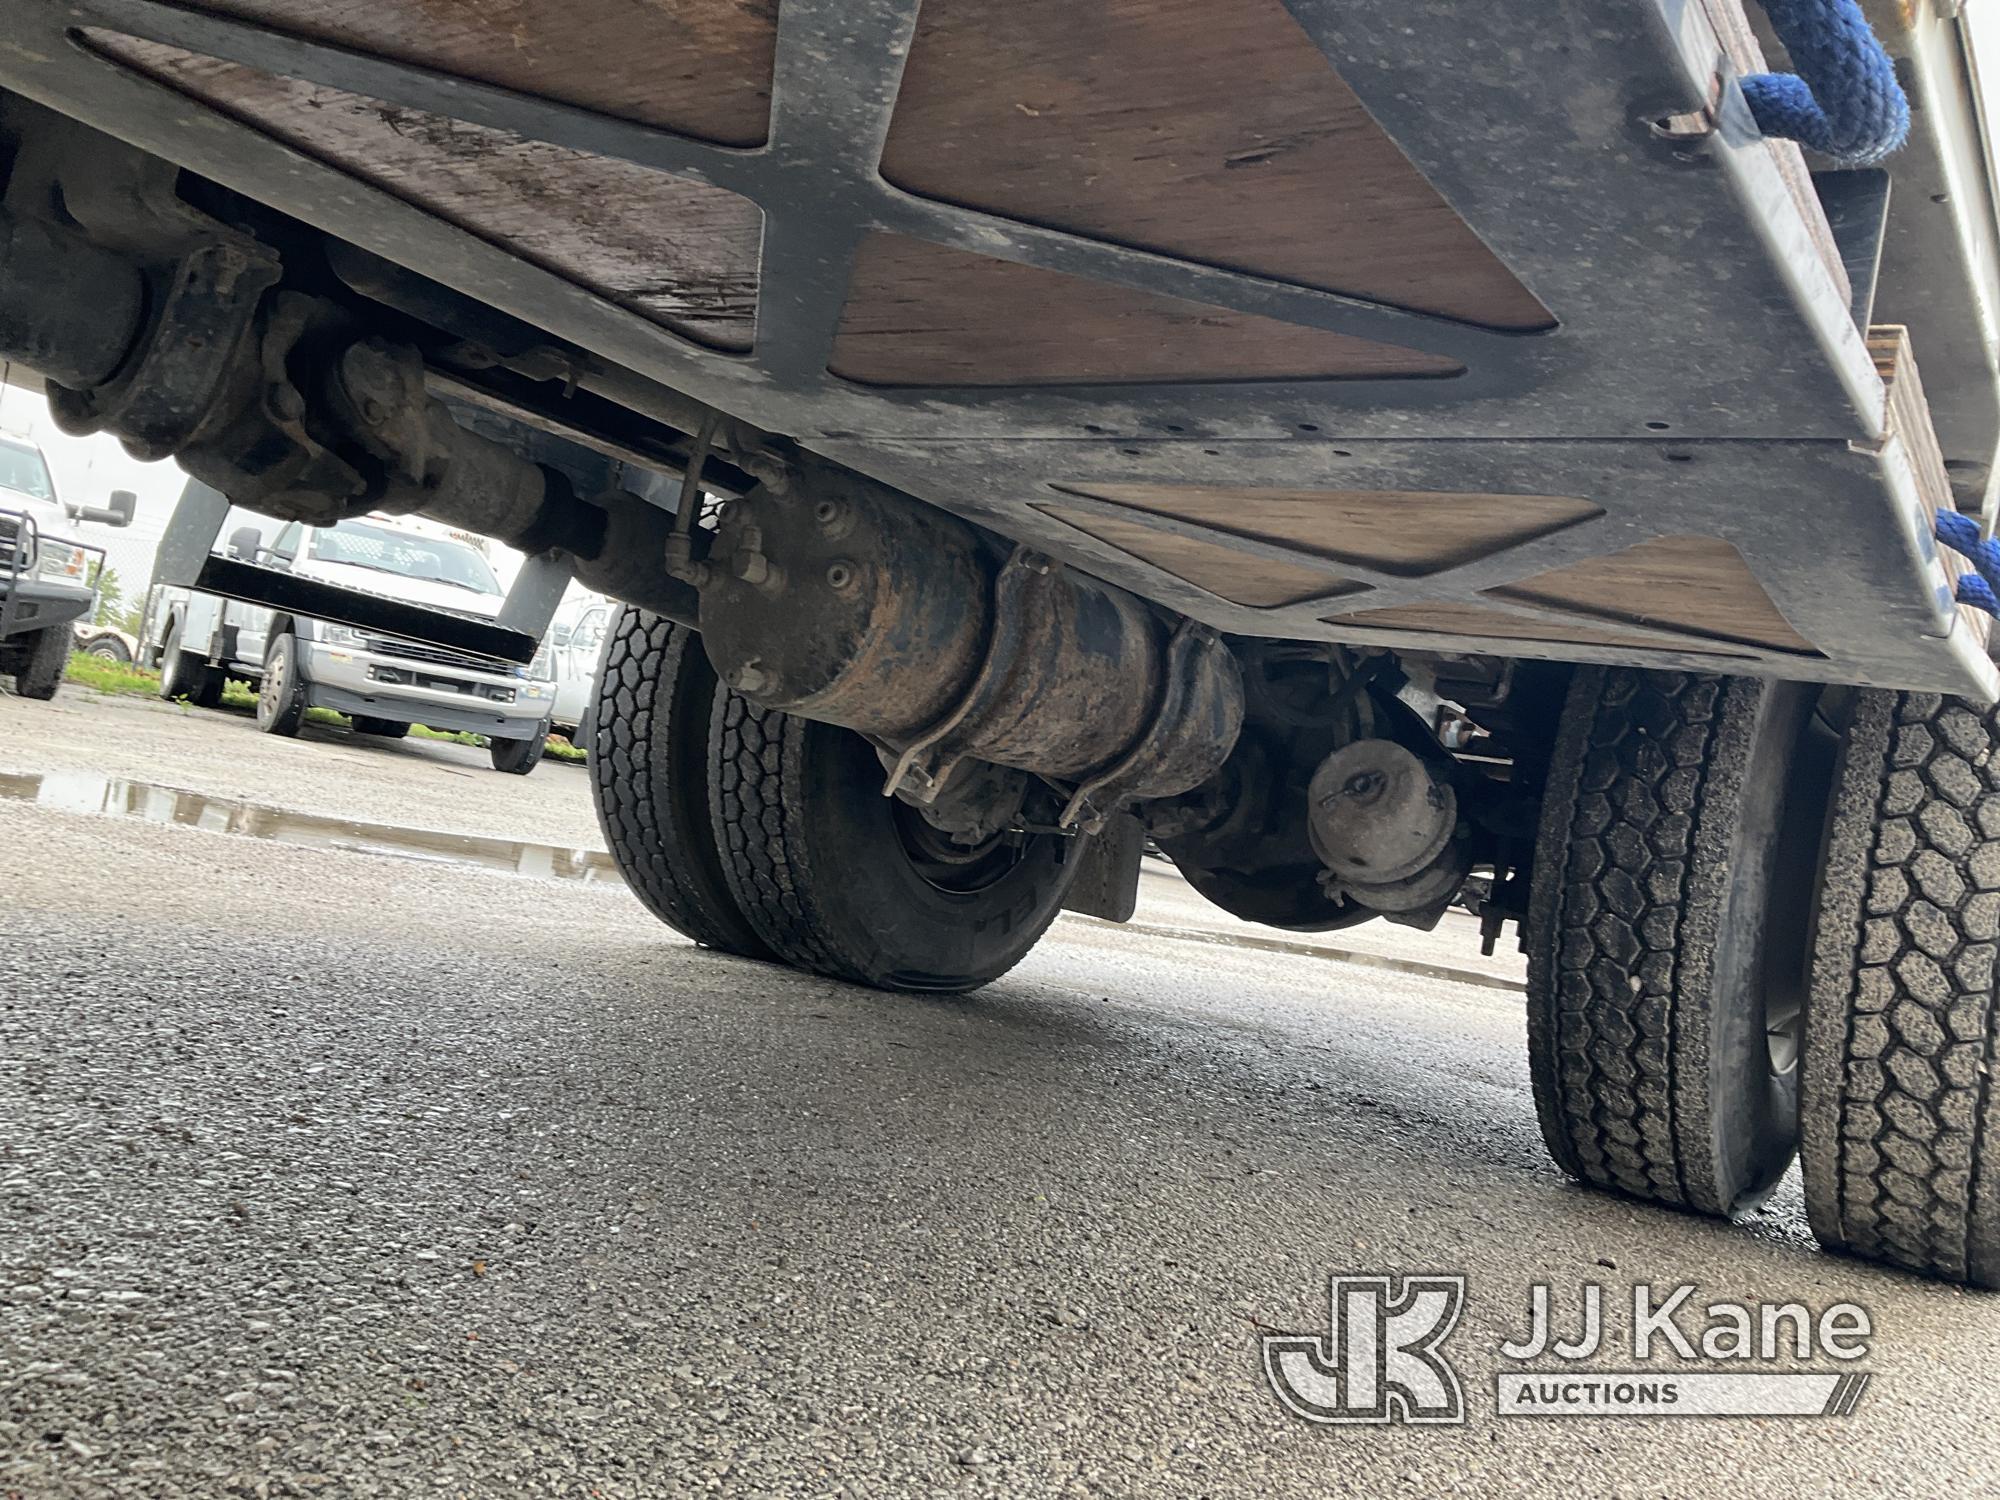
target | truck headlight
[
  {"x": 61, "y": 560},
  {"x": 343, "y": 635}
]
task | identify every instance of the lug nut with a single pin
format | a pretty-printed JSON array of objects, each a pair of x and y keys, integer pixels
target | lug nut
[{"x": 840, "y": 576}]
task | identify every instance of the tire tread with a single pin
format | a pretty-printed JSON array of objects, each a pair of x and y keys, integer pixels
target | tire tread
[
  {"x": 758, "y": 760},
  {"x": 1900, "y": 1118},
  {"x": 1644, "y": 780},
  {"x": 644, "y": 709}
]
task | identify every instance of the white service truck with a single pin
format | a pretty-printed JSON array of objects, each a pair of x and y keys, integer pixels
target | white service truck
[
  {"x": 48, "y": 577},
  {"x": 383, "y": 683},
  {"x": 575, "y": 643}
]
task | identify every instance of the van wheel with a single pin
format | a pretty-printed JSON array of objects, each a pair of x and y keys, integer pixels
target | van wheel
[
  {"x": 46, "y": 655},
  {"x": 185, "y": 674},
  {"x": 1899, "y": 1109},
  {"x": 281, "y": 699},
  {"x": 109, "y": 647},
  {"x": 1667, "y": 935},
  {"x": 647, "y": 752},
  {"x": 838, "y": 879}
]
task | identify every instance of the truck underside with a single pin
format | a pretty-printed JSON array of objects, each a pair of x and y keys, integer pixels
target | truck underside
[{"x": 1372, "y": 451}]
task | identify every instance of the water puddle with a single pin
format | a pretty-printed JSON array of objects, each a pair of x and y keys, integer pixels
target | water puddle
[{"x": 85, "y": 792}]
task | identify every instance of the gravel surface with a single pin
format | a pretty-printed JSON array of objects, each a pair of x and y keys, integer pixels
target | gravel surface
[{"x": 329, "y": 1174}]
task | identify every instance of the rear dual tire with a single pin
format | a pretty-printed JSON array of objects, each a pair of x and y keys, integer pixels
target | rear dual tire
[
  {"x": 1667, "y": 936},
  {"x": 1900, "y": 1108},
  {"x": 761, "y": 834},
  {"x": 843, "y": 881},
  {"x": 1719, "y": 859}
]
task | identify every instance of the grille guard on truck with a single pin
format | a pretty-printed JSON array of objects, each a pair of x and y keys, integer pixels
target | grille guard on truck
[{"x": 12, "y": 605}]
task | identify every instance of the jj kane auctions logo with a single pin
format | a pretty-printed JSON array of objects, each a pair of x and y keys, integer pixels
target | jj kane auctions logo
[{"x": 1382, "y": 1357}]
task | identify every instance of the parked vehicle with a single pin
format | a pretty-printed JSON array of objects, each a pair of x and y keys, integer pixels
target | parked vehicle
[
  {"x": 107, "y": 641},
  {"x": 574, "y": 647},
  {"x": 383, "y": 683},
  {"x": 1014, "y": 431},
  {"x": 48, "y": 575}
]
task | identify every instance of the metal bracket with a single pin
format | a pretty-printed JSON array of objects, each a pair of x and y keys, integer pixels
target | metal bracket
[
  {"x": 160, "y": 400},
  {"x": 927, "y": 762},
  {"x": 1096, "y": 798},
  {"x": 1857, "y": 212},
  {"x": 536, "y": 592},
  {"x": 378, "y": 612},
  {"x": 190, "y": 536}
]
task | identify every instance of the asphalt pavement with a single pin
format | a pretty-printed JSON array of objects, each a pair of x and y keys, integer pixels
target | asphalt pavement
[{"x": 326, "y": 1171}]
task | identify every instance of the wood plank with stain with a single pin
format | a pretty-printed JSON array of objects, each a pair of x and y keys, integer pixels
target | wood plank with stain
[
  {"x": 919, "y": 314},
  {"x": 699, "y": 67},
  {"x": 681, "y": 252},
  {"x": 1410, "y": 532},
  {"x": 1699, "y": 584},
  {"x": 1217, "y": 133},
  {"x": 1227, "y": 573}
]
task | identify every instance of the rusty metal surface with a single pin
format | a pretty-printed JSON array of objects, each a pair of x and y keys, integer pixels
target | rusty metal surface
[
  {"x": 845, "y": 607},
  {"x": 861, "y": 608}
]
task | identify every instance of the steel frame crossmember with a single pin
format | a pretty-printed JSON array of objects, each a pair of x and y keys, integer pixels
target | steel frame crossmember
[{"x": 1696, "y": 315}]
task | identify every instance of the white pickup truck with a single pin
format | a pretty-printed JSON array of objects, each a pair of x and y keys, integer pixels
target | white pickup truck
[
  {"x": 384, "y": 683},
  {"x": 48, "y": 578}
]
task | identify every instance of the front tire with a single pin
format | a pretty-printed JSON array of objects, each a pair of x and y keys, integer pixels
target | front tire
[
  {"x": 1667, "y": 949},
  {"x": 281, "y": 697},
  {"x": 840, "y": 880},
  {"x": 518, "y": 757},
  {"x": 46, "y": 655},
  {"x": 1899, "y": 1110}
]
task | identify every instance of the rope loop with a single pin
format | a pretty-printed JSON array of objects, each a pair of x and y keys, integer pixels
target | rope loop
[{"x": 1844, "y": 101}]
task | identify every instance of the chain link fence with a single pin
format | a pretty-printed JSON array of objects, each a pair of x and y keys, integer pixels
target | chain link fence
[{"x": 128, "y": 570}]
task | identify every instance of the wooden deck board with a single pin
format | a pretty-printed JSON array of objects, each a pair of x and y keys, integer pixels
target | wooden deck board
[
  {"x": 919, "y": 314},
  {"x": 682, "y": 252},
  {"x": 1217, "y": 133},
  {"x": 701, "y": 67}
]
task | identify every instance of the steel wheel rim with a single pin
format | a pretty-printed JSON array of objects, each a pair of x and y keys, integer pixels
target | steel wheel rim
[{"x": 270, "y": 696}]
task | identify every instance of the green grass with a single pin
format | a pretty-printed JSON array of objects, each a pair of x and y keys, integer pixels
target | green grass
[{"x": 102, "y": 675}]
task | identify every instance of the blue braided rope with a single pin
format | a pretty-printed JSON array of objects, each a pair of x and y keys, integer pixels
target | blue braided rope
[
  {"x": 1844, "y": 101},
  {"x": 1981, "y": 587}
]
